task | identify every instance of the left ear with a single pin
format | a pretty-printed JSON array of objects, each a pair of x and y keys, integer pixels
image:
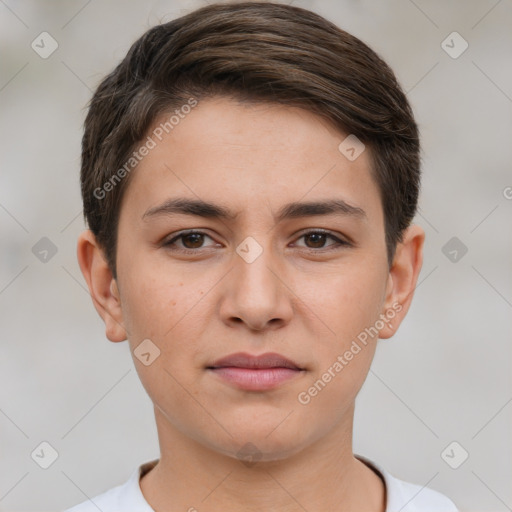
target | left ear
[{"x": 402, "y": 279}]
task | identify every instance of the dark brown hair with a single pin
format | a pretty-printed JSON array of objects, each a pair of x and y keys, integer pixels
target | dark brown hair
[{"x": 251, "y": 51}]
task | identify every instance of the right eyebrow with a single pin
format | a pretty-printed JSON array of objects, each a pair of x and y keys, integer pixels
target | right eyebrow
[{"x": 185, "y": 206}]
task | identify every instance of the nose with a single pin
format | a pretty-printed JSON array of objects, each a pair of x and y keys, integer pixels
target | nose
[{"x": 257, "y": 294}]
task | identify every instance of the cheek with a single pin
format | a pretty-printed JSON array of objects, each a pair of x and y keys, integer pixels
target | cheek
[
  {"x": 167, "y": 310},
  {"x": 155, "y": 301},
  {"x": 330, "y": 394},
  {"x": 162, "y": 310},
  {"x": 345, "y": 301},
  {"x": 348, "y": 304},
  {"x": 342, "y": 365}
]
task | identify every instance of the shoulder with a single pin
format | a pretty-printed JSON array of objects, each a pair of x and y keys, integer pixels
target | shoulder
[
  {"x": 126, "y": 497},
  {"x": 106, "y": 502},
  {"x": 408, "y": 497}
]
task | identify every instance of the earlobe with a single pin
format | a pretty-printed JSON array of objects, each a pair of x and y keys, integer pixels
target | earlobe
[
  {"x": 102, "y": 285},
  {"x": 402, "y": 280}
]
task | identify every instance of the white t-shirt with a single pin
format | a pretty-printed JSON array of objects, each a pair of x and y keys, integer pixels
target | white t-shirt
[{"x": 401, "y": 496}]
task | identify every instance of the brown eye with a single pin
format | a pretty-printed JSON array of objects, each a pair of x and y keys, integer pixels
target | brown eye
[
  {"x": 317, "y": 240},
  {"x": 193, "y": 240},
  {"x": 189, "y": 243}
]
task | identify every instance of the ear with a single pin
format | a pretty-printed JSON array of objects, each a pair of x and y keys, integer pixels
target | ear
[
  {"x": 102, "y": 285},
  {"x": 403, "y": 276}
]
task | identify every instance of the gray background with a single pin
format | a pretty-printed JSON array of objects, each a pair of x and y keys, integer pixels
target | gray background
[{"x": 444, "y": 377}]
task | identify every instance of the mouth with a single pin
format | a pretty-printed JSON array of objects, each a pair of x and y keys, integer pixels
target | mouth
[{"x": 255, "y": 373}]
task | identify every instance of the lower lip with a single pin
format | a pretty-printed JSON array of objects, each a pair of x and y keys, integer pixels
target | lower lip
[{"x": 257, "y": 379}]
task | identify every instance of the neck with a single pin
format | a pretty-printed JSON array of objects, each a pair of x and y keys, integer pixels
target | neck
[{"x": 322, "y": 476}]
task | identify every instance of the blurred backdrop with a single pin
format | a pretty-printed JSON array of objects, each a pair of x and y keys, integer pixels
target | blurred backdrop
[{"x": 436, "y": 408}]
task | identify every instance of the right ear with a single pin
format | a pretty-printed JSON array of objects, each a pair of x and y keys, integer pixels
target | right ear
[{"x": 102, "y": 285}]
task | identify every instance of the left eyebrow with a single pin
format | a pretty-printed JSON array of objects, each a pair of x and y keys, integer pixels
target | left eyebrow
[
  {"x": 315, "y": 208},
  {"x": 200, "y": 208}
]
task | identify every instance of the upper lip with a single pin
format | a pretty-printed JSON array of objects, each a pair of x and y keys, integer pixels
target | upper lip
[{"x": 244, "y": 360}]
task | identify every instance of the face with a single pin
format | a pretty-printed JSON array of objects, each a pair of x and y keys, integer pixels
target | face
[{"x": 256, "y": 272}]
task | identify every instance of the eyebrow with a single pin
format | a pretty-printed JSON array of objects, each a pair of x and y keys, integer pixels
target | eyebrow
[{"x": 200, "y": 208}]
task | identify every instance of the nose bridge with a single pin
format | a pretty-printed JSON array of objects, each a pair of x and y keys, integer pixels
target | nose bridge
[
  {"x": 253, "y": 262},
  {"x": 256, "y": 294}
]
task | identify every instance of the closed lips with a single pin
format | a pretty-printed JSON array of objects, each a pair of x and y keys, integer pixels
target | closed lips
[{"x": 255, "y": 362}]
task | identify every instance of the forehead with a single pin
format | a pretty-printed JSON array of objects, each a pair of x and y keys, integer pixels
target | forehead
[{"x": 243, "y": 154}]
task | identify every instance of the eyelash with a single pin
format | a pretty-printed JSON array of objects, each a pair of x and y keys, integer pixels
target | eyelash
[{"x": 339, "y": 243}]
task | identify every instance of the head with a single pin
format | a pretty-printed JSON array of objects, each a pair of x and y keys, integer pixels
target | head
[{"x": 251, "y": 124}]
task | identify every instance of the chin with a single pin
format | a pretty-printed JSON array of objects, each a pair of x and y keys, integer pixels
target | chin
[{"x": 262, "y": 443}]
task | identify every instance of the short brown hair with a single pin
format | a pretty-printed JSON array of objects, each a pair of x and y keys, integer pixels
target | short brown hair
[{"x": 251, "y": 51}]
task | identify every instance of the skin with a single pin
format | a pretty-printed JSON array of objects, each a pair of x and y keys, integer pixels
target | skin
[{"x": 304, "y": 298}]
